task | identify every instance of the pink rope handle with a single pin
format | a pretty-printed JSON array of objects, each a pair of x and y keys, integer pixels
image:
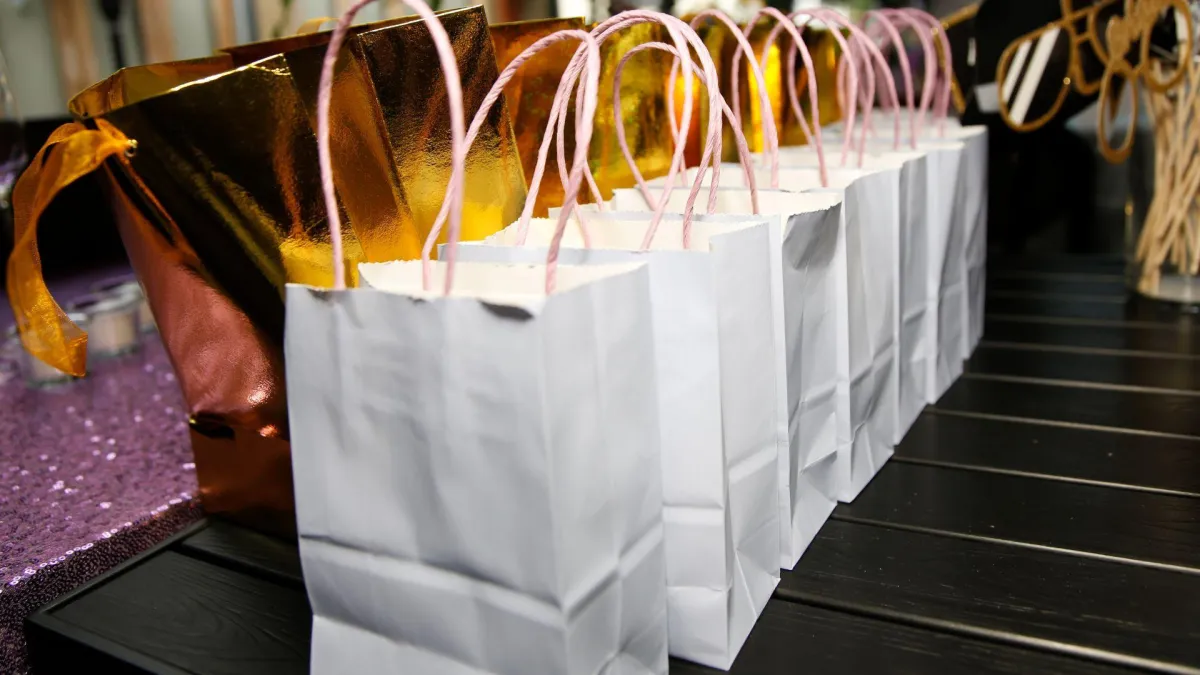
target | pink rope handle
[
  {"x": 714, "y": 125},
  {"x": 927, "y": 90},
  {"x": 713, "y": 141},
  {"x": 681, "y": 36},
  {"x": 454, "y": 191},
  {"x": 849, "y": 56},
  {"x": 588, "y": 44},
  {"x": 770, "y": 129},
  {"x": 784, "y": 23},
  {"x": 708, "y": 157},
  {"x": 868, "y": 45},
  {"x": 882, "y": 19},
  {"x": 679, "y": 32},
  {"x": 935, "y": 26}
]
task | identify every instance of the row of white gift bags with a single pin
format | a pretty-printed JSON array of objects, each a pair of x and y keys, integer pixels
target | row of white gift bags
[
  {"x": 476, "y": 450},
  {"x": 971, "y": 216},
  {"x": 867, "y": 344},
  {"x": 931, "y": 331},
  {"x": 923, "y": 226},
  {"x": 807, "y": 264},
  {"x": 711, "y": 313}
]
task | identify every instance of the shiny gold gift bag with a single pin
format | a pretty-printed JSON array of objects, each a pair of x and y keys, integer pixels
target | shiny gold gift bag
[
  {"x": 407, "y": 124},
  {"x": 211, "y": 169},
  {"x": 643, "y": 105},
  {"x": 531, "y": 94}
]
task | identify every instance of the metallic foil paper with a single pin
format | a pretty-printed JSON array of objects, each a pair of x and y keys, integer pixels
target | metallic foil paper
[
  {"x": 531, "y": 94},
  {"x": 644, "y": 89},
  {"x": 411, "y": 94}
]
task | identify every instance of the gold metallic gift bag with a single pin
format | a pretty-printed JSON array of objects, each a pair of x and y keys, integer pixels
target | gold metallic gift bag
[
  {"x": 643, "y": 106},
  {"x": 531, "y": 93},
  {"x": 212, "y": 172},
  {"x": 393, "y": 64}
]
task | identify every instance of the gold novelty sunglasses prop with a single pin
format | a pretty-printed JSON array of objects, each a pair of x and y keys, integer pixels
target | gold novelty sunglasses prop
[{"x": 1113, "y": 29}]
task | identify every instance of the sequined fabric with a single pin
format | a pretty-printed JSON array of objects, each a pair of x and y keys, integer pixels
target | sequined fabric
[{"x": 91, "y": 473}]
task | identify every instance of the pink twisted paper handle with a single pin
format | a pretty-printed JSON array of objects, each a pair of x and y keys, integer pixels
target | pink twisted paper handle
[
  {"x": 882, "y": 19},
  {"x": 711, "y": 156},
  {"x": 449, "y": 65},
  {"x": 770, "y": 129},
  {"x": 583, "y": 131},
  {"x": 935, "y": 28},
  {"x": 679, "y": 32},
  {"x": 811, "y": 134},
  {"x": 862, "y": 42},
  {"x": 601, "y": 33}
]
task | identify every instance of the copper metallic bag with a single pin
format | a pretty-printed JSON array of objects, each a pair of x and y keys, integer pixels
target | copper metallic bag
[{"x": 211, "y": 169}]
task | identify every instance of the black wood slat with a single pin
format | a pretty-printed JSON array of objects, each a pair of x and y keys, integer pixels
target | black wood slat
[
  {"x": 792, "y": 637},
  {"x": 1130, "y": 460},
  {"x": 1126, "y": 370},
  {"x": 1089, "y": 308},
  {"x": 198, "y": 617},
  {"x": 1107, "y": 610},
  {"x": 1148, "y": 527},
  {"x": 1059, "y": 284},
  {"x": 1065, "y": 264},
  {"x": 1145, "y": 411},
  {"x": 235, "y": 546},
  {"x": 1164, "y": 339}
]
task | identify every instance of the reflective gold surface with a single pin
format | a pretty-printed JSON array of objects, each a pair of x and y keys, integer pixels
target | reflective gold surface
[
  {"x": 643, "y": 107},
  {"x": 824, "y": 51},
  {"x": 402, "y": 66},
  {"x": 531, "y": 94}
]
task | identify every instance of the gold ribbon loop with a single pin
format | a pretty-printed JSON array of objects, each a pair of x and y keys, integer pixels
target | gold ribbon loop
[{"x": 71, "y": 152}]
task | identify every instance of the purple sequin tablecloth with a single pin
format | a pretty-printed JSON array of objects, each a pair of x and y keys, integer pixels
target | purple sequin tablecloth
[{"x": 91, "y": 473}]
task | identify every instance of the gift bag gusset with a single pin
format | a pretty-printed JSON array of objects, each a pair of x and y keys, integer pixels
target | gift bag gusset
[{"x": 477, "y": 461}]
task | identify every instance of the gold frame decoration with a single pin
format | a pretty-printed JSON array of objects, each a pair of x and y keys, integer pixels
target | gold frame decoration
[{"x": 1121, "y": 33}]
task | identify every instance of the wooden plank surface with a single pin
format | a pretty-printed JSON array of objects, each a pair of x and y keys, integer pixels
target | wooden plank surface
[
  {"x": 1056, "y": 266},
  {"x": 1163, "y": 339},
  {"x": 1129, "y": 461},
  {"x": 1133, "y": 525},
  {"x": 1151, "y": 371},
  {"x": 199, "y": 617},
  {"x": 1095, "y": 308},
  {"x": 1059, "y": 284},
  {"x": 792, "y": 637},
  {"x": 1101, "y": 610},
  {"x": 248, "y": 550},
  {"x": 1152, "y": 412}
]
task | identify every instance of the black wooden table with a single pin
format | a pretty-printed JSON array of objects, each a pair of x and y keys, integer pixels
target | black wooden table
[{"x": 1043, "y": 517}]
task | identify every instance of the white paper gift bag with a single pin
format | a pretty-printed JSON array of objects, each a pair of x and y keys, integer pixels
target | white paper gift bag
[
  {"x": 477, "y": 476},
  {"x": 476, "y": 459},
  {"x": 946, "y": 268},
  {"x": 807, "y": 260},
  {"x": 866, "y": 350},
  {"x": 711, "y": 316},
  {"x": 916, "y": 309}
]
